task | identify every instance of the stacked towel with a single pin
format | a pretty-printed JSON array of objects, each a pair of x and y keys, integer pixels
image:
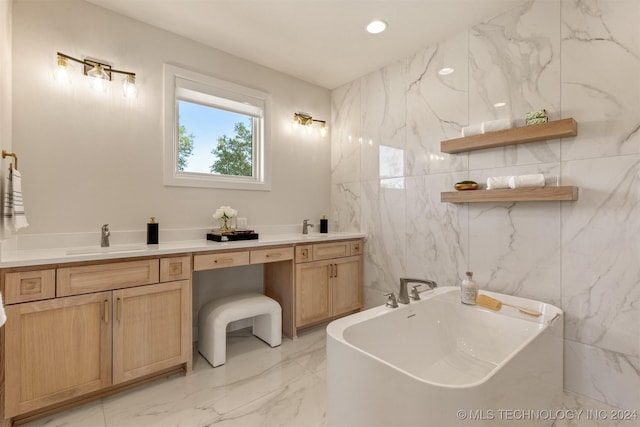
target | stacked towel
[
  {"x": 535, "y": 180},
  {"x": 472, "y": 130},
  {"x": 3, "y": 316},
  {"x": 13, "y": 214},
  {"x": 494, "y": 182},
  {"x": 519, "y": 181},
  {"x": 495, "y": 125}
]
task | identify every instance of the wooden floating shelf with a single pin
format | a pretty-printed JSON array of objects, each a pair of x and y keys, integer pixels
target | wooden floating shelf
[
  {"x": 520, "y": 135},
  {"x": 530, "y": 194}
]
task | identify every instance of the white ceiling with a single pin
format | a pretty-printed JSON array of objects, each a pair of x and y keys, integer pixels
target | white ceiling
[{"x": 320, "y": 41}]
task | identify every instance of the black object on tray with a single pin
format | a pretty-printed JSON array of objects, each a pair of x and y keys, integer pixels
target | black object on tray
[{"x": 232, "y": 236}]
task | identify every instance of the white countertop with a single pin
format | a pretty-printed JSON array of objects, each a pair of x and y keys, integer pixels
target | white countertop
[{"x": 23, "y": 258}]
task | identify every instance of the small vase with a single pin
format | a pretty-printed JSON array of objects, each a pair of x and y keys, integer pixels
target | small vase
[{"x": 225, "y": 224}]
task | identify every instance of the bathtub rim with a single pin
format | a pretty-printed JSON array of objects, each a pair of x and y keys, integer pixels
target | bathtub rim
[{"x": 550, "y": 317}]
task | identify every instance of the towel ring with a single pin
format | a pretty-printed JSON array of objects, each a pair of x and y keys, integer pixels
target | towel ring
[{"x": 15, "y": 157}]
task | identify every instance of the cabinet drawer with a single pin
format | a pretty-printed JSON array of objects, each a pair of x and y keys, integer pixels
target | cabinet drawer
[
  {"x": 331, "y": 250},
  {"x": 356, "y": 247},
  {"x": 102, "y": 277},
  {"x": 220, "y": 260},
  {"x": 27, "y": 286},
  {"x": 175, "y": 268},
  {"x": 261, "y": 256},
  {"x": 304, "y": 253}
]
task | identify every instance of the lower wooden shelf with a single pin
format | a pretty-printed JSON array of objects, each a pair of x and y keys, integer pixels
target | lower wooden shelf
[{"x": 531, "y": 194}]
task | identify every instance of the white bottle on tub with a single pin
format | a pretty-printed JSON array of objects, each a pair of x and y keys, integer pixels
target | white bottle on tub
[{"x": 468, "y": 290}]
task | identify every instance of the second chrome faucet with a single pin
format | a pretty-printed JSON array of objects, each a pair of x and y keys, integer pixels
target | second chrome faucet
[
  {"x": 403, "y": 294},
  {"x": 305, "y": 226},
  {"x": 104, "y": 241}
]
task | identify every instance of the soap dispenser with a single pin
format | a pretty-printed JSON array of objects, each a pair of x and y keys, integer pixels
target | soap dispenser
[
  {"x": 324, "y": 224},
  {"x": 469, "y": 290},
  {"x": 152, "y": 231}
]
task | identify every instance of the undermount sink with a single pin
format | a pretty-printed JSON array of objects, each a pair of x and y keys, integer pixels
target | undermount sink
[
  {"x": 107, "y": 250},
  {"x": 314, "y": 236}
]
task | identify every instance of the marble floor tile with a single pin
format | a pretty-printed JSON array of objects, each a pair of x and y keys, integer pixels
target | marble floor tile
[
  {"x": 88, "y": 415},
  {"x": 257, "y": 386}
]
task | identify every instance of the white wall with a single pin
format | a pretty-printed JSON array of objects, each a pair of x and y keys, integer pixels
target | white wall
[
  {"x": 575, "y": 59},
  {"x": 90, "y": 158},
  {"x": 5, "y": 75}
]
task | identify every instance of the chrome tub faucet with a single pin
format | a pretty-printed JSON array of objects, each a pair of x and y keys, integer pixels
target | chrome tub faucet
[
  {"x": 403, "y": 295},
  {"x": 104, "y": 242}
]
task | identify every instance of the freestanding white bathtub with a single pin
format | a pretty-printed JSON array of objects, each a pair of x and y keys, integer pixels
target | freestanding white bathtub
[{"x": 437, "y": 362}]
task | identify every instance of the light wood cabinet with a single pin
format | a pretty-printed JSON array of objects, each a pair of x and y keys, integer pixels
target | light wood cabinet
[
  {"x": 313, "y": 292},
  {"x": 328, "y": 288},
  {"x": 175, "y": 268},
  {"x": 25, "y": 286},
  {"x": 151, "y": 329},
  {"x": 220, "y": 260},
  {"x": 56, "y": 350},
  {"x": 276, "y": 254},
  {"x": 346, "y": 289},
  {"x": 66, "y": 348},
  {"x": 100, "y": 277}
]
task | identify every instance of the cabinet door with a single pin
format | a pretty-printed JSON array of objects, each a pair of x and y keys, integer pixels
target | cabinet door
[
  {"x": 56, "y": 350},
  {"x": 151, "y": 329},
  {"x": 346, "y": 286},
  {"x": 313, "y": 292}
]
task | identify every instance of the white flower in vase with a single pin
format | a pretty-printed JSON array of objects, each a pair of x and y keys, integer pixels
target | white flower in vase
[{"x": 224, "y": 214}]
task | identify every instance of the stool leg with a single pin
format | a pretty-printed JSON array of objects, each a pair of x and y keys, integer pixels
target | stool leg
[
  {"x": 219, "y": 344},
  {"x": 268, "y": 327}
]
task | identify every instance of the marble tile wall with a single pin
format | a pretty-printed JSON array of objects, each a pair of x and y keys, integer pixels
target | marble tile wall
[{"x": 576, "y": 58}]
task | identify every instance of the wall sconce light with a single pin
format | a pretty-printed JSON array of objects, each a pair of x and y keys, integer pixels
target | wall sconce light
[
  {"x": 99, "y": 74},
  {"x": 301, "y": 120}
]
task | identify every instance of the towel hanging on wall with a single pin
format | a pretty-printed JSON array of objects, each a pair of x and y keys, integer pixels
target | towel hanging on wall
[{"x": 13, "y": 213}]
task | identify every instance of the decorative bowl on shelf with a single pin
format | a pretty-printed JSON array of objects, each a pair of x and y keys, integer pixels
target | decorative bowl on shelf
[{"x": 466, "y": 185}]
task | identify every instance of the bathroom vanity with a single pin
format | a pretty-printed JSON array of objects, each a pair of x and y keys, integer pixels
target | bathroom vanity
[{"x": 86, "y": 325}]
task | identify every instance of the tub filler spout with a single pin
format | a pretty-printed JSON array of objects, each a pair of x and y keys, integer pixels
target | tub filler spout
[{"x": 403, "y": 295}]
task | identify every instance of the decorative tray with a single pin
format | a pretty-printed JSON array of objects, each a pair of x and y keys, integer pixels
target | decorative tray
[{"x": 231, "y": 236}]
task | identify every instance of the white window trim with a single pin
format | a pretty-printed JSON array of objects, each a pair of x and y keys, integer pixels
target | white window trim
[{"x": 177, "y": 79}]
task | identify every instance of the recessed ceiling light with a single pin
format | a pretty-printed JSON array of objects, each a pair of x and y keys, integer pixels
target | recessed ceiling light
[
  {"x": 499, "y": 104},
  {"x": 445, "y": 71},
  {"x": 376, "y": 27}
]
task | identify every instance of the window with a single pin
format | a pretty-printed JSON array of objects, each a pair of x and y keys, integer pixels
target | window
[{"x": 215, "y": 133}]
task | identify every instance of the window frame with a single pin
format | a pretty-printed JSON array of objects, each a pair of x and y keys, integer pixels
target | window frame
[{"x": 190, "y": 86}]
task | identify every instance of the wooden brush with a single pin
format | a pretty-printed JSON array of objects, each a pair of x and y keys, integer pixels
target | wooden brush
[{"x": 494, "y": 304}]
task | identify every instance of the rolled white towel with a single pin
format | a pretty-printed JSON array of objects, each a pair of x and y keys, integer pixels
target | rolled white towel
[
  {"x": 472, "y": 130},
  {"x": 495, "y": 125},
  {"x": 534, "y": 180},
  {"x": 494, "y": 182}
]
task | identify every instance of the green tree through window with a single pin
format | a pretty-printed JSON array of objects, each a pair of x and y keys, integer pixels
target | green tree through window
[
  {"x": 233, "y": 155},
  {"x": 185, "y": 147}
]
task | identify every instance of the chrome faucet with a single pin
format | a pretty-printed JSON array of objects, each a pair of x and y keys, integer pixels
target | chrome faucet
[
  {"x": 391, "y": 300},
  {"x": 104, "y": 242},
  {"x": 403, "y": 295},
  {"x": 305, "y": 226}
]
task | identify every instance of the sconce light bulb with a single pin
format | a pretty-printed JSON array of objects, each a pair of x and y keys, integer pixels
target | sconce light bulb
[
  {"x": 129, "y": 88},
  {"x": 98, "y": 78},
  {"x": 323, "y": 130},
  {"x": 62, "y": 72}
]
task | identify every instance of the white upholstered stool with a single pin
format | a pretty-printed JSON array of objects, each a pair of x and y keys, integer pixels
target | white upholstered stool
[{"x": 214, "y": 317}]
